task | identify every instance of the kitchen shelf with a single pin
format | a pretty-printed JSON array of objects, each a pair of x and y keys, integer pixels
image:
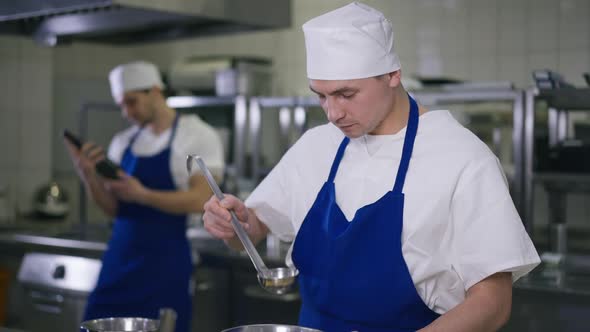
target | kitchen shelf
[{"x": 564, "y": 182}]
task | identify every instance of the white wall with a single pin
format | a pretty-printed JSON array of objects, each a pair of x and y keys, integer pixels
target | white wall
[
  {"x": 26, "y": 81},
  {"x": 468, "y": 39}
]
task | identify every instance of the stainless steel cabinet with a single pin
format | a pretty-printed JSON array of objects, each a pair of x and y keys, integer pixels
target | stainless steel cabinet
[
  {"x": 211, "y": 299},
  {"x": 253, "y": 305}
]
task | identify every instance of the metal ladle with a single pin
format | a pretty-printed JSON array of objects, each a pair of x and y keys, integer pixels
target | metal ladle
[{"x": 275, "y": 280}]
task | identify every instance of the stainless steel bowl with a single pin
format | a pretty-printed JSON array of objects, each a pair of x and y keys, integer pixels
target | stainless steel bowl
[
  {"x": 270, "y": 328},
  {"x": 121, "y": 324}
]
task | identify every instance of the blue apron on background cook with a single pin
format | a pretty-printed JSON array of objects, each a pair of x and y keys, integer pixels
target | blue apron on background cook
[
  {"x": 147, "y": 265},
  {"x": 352, "y": 275}
]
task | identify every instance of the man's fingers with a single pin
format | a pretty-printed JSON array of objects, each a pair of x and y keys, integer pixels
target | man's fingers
[
  {"x": 214, "y": 223},
  {"x": 231, "y": 202}
]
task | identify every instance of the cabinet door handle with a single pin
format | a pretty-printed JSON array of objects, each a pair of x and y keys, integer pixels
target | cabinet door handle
[
  {"x": 258, "y": 293},
  {"x": 47, "y": 308},
  {"x": 47, "y": 298},
  {"x": 204, "y": 286}
]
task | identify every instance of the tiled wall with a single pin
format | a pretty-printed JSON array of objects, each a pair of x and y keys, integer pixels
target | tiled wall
[
  {"x": 466, "y": 39},
  {"x": 42, "y": 89},
  {"x": 26, "y": 82}
]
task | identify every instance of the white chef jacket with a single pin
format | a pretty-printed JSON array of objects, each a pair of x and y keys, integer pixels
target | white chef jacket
[
  {"x": 460, "y": 224},
  {"x": 193, "y": 136}
]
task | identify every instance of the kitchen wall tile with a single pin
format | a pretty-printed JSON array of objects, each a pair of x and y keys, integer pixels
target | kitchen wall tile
[
  {"x": 572, "y": 65},
  {"x": 455, "y": 27},
  {"x": 574, "y": 26},
  {"x": 513, "y": 68},
  {"x": 483, "y": 67},
  {"x": 542, "y": 60},
  {"x": 542, "y": 25},
  {"x": 429, "y": 65},
  {"x": 512, "y": 22},
  {"x": 10, "y": 82},
  {"x": 36, "y": 85},
  {"x": 30, "y": 179},
  {"x": 456, "y": 67},
  {"x": 402, "y": 15},
  {"x": 483, "y": 18},
  {"x": 35, "y": 139},
  {"x": 10, "y": 147},
  {"x": 428, "y": 34}
]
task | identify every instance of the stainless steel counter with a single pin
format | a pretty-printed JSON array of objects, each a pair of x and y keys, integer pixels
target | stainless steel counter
[
  {"x": 92, "y": 241},
  {"x": 566, "y": 285},
  {"x": 218, "y": 270},
  {"x": 573, "y": 277}
]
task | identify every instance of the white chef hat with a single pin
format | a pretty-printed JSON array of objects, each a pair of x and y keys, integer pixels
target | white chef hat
[
  {"x": 351, "y": 42},
  {"x": 138, "y": 75}
]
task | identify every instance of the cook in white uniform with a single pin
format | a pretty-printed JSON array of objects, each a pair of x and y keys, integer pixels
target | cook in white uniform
[
  {"x": 150, "y": 200},
  {"x": 462, "y": 241}
]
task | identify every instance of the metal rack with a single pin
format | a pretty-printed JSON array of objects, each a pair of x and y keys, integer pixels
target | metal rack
[
  {"x": 239, "y": 104},
  {"x": 560, "y": 102},
  {"x": 505, "y": 93},
  {"x": 293, "y": 117},
  {"x": 293, "y": 113},
  {"x": 83, "y": 126}
]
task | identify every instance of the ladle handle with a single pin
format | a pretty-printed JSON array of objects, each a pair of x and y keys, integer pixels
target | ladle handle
[{"x": 242, "y": 235}]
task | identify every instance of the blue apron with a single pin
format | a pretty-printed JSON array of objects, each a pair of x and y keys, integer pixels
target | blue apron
[
  {"x": 147, "y": 265},
  {"x": 352, "y": 275}
]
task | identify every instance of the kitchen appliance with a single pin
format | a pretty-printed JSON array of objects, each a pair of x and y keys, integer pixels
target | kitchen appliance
[
  {"x": 51, "y": 201},
  {"x": 221, "y": 76},
  {"x": 135, "y": 21},
  {"x": 270, "y": 328},
  {"x": 120, "y": 324},
  {"x": 55, "y": 289},
  {"x": 275, "y": 280}
]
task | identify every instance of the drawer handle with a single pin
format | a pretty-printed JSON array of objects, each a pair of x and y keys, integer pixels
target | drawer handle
[
  {"x": 47, "y": 308},
  {"x": 204, "y": 286},
  {"x": 47, "y": 298}
]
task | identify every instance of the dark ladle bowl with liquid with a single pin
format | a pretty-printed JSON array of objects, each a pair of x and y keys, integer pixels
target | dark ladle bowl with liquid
[{"x": 278, "y": 280}]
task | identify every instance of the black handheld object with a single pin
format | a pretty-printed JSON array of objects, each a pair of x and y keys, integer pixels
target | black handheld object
[
  {"x": 105, "y": 167},
  {"x": 72, "y": 138}
]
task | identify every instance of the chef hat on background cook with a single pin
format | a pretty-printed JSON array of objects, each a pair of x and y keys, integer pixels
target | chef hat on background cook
[
  {"x": 351, "y": 42},
  {"x": 138, "y": 75}
]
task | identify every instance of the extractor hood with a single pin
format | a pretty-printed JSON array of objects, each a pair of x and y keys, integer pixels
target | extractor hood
[{"x": 51, "y": 22}]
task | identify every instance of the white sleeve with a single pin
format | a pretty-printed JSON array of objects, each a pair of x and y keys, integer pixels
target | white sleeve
[
  {"x": 488, "y": 235},
  {"x": 272, "y": 201},
  {"x": 195, "y": 137}
]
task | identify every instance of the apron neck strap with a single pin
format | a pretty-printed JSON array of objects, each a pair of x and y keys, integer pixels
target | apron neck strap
[{"x": 338, "y": 158}]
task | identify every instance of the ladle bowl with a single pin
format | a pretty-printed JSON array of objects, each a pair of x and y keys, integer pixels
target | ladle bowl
[{"x": 278, "y": 280}]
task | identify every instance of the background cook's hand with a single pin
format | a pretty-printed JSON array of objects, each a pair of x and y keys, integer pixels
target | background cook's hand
[
  {"x": 85, "y": 159},
  {"x": 217, "y": 219},
  {"x": 127, "y": 188}
]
